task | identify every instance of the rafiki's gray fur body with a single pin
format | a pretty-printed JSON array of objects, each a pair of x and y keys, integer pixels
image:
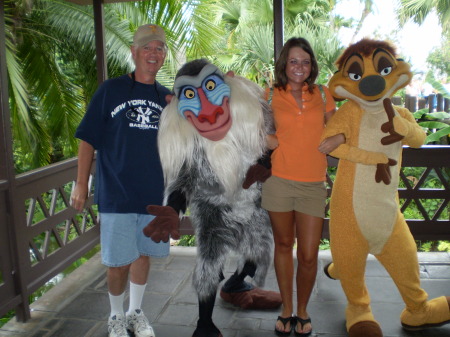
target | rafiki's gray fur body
[{"x": 210, "y": 174}]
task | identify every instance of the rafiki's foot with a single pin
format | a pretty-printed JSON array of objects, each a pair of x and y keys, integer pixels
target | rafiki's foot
[
  {"x": 255, "y": 298},
  {"x": 206, "y": 330},
  {"x": 365, "y": 329}
]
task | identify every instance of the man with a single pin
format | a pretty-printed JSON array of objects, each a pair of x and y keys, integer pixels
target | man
[{"x": 121, "y": 124}]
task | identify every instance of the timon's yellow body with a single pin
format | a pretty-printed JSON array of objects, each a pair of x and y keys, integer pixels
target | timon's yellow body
[{"x": 365, "y": 217}]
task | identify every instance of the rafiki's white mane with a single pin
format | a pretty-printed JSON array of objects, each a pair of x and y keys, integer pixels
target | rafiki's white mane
[{"x": 179, "y": 142}]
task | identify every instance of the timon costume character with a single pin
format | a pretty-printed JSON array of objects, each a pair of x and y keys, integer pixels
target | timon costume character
[
  {"x": 210, "y": 139},
  {"x": 365, "y": 216}
]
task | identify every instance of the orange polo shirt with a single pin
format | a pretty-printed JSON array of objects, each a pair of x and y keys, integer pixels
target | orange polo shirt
[{"x": 298, "y": 131}]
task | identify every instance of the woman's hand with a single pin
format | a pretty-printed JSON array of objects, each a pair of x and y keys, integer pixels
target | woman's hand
[
  {"x": 272, "y": 142},
  {"x": 331, "y": 143}
]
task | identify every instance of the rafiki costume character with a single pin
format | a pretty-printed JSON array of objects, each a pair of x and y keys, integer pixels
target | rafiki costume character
[
  {"x": 210, "y": 138},
  {"x": 365, "y": 216}
]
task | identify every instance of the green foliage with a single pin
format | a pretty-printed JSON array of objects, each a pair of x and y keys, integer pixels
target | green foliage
[
  {"x": 414, "y": 174},
  {"x": 418, "y": 10},
  {"x": 51, "y": 55},
  {"x": 435, "y": 123},
  {"x": 444, "y": 246},
  {"x": 432, "y": 123},
  {"x": 439, "y": 58},
  {"x": 247, "y": 43},
  {"x": 433, "y": 246},
  {"x": 5, "y": 319},
  {"x": 323, "y": 41},
  {"x": 50, "y": 58},
  {"x": 61, "y": 229},
  {"x": 187, "y": 241},
  {"x": 437, "y": 85},
  {"x": 324, "y": 244}
]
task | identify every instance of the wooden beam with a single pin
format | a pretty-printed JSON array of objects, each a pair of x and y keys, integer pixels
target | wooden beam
[
  {"x": 7, "y": 175},
  {"x": 90, "y": 2},
  {"x": 100, "y": 48},
  {"x": 278, "y": 22}
]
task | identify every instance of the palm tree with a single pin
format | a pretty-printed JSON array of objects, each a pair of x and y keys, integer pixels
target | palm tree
[
  {"x": 366, "y": 11},
  {"x": 51, "y": 63},
  {"x": 324, "y": 42},
  {"x": 247, "y": 44},
  {"x": 51, "y": 55},
  {"x": 418, "y": 10},
  {"x": 35, "y": 81}
]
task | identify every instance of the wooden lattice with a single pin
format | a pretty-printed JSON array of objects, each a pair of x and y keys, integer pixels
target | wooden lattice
[{"x": 47, "y": 213}]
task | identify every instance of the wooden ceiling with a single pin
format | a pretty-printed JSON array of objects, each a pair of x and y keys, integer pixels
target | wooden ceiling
[{"x": 90, "y": 2}]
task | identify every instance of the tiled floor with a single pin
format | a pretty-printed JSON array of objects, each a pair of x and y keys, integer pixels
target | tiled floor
[{"x": 79, "y": 306}]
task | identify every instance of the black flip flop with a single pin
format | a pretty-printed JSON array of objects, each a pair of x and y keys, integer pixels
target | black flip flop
[
  {"x": 302, "y": 322},
  {"x": 284, "y": 320}
]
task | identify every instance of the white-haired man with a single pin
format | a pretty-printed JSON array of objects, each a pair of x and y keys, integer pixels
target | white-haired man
[{"x": 121, "y": 124}]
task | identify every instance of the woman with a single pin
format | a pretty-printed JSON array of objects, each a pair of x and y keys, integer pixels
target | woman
[{"x": 295, "y": 195}]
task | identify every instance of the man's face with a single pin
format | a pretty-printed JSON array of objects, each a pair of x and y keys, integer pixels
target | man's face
[{"x": 149, "y": 58}]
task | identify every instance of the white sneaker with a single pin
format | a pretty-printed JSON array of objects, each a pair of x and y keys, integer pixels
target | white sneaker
[
  {"x": 138, "y": 323},
  {"x": 117, "y": 326}
]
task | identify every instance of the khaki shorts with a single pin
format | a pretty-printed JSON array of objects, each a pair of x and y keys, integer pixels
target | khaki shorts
[{"x": 283, "y": 195}]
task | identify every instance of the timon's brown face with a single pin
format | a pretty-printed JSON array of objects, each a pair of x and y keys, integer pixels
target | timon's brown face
[{"x": 368, "y": 78}]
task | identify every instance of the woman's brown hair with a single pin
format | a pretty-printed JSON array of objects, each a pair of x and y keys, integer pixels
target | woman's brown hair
[{"x": 281, "y": 79}]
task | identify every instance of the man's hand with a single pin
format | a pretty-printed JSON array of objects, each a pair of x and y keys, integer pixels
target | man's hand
[
  {"x": 165, "y": 225},
  {"x": 79, "y": 196},
  {"x": 383, "y": 172}
]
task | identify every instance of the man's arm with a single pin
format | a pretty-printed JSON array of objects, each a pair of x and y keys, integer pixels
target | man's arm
[{"x": 80, "y": 192}]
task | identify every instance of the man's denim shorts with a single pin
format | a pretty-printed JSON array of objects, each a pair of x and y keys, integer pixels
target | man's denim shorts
[{"x": 123, "y": 241}]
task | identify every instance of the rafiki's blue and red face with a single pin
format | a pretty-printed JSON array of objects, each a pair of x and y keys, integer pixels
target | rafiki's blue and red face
[{"x": 204, "y": 102}]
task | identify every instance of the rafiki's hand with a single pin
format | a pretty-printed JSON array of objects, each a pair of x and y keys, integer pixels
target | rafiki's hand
[
  {"x": 383, "y": 172},
  {"x": 165, "y": 225},
  {"x": 256, "y": 172}
]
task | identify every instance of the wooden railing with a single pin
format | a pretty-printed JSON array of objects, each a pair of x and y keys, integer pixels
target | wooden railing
[
  {"x": 431, "y": 166},
  {"x": 49, "y": 235},
  {"x": 434, "y": 102}
]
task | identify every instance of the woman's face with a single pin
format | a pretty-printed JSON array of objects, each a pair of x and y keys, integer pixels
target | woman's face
[{"x": 298, "y": 66}]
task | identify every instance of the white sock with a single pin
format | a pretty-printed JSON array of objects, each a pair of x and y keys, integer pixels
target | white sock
[
  {"x": 136, "y": 296},
  {"x": 116, "y": 303}
]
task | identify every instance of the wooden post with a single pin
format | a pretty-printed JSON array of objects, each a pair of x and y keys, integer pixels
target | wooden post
[
  {"x": 278, "y": 22},
  {"x": 412, "y": 103},
  {"x": 8, "y": 175},
  {"x": 431, "y": 99},
  {"x": 422, "y": 103},
  {"x": 100, "y": 49},
  {"x": 440, "y": 102}
]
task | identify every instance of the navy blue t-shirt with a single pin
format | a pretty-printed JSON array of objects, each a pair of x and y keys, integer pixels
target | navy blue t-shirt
[{"x": 121, "y": 123}]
